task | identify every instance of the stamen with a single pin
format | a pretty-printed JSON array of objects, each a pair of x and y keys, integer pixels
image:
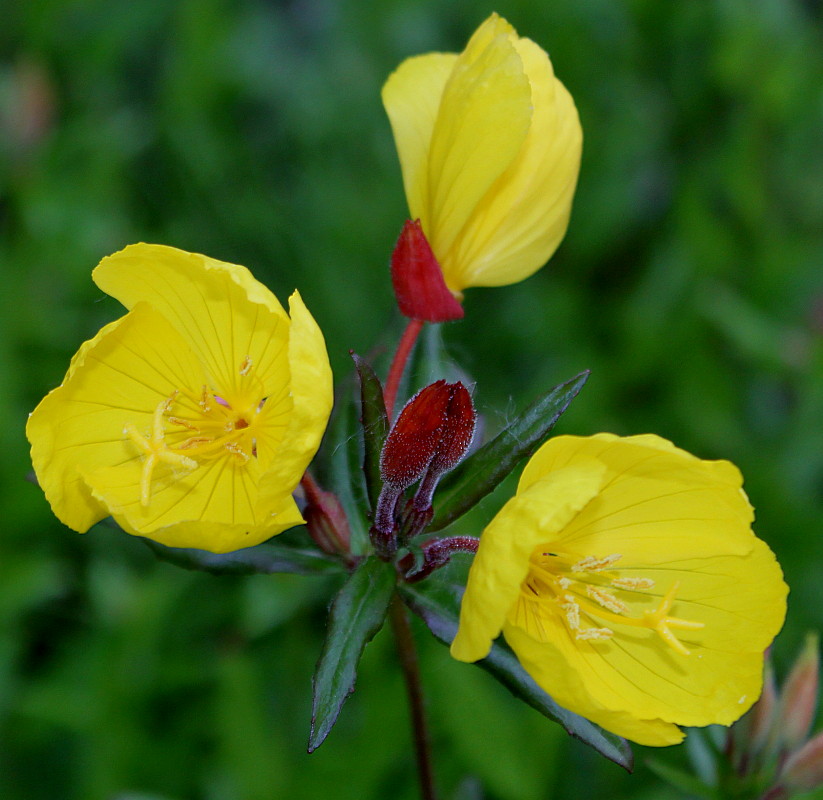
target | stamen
[
  {"x": 595, "y": 634},
  {"x": 594, "y": 564},
  {"x": 632, "y": 583},
  {"x": 245, "y": 366},
  {"x": 572, "y": 610},
  {"x": 236, "y": 450},
  {"x": 564, "y": 582},
  {"x": 184, "y": 423},
  {"x": 204, "y": 399},
  {"x": 607, "y": 599}
]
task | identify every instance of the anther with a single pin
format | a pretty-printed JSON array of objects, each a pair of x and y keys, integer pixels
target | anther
[
  {"x": 184, "y": 423},
  {"x": 245, "y": 366},
  {"x": 594, "y": 564},
  {"x": 236, "y": 450},
  {"x": 607, "y": 600},
  {"x": 594, "y": 634},
  {"x": 632, "y": 583}
]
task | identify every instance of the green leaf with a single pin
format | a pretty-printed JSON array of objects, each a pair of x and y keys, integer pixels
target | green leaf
[
  {"x": 482, "y": 471},
  {"x": 437, "y": 604},
  {"x": 356, "y": 614},
  {"x": 338, "y": 464},
  {"x": 278, "y": 555},
  {"x": 375, "y": 423}
]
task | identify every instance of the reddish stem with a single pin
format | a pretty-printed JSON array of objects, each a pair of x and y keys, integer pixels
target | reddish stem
[
  {"x": 411, "y": 672},
  {"x": 398, "y": 364}
]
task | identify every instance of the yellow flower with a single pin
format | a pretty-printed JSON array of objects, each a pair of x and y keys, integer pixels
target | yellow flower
[
  {"x": 625, "y": 576},
  {"x": 489, "y": 144},
  {"x": 192, "y": 418}
]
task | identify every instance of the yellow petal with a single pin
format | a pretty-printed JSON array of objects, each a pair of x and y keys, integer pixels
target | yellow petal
[
  {"x": 522, "y": 219},
  {"x": 312, "y": 394},
  {"x": 659, "y": 504},
  {"x": 483, "y": 120},
  {"x": 411, "y": 97},
  {"x": 119, "y": 376},
  {"x": 571, "y": 689},
  {"x": 228, "y": 318},
  {"x": 502, "y": 562}
]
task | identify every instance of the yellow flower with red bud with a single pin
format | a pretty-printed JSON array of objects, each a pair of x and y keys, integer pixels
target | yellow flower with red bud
[
  {"x": 191, "y": 419},
  {"x": 489, "y": 144},
  {"x": 625, "y": 576}
]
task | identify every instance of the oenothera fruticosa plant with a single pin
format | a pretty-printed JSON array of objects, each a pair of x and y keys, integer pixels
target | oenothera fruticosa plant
[{"x": 624, "y": 576}]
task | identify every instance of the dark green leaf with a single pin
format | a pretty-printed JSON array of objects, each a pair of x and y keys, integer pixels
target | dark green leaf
[
  {"x": 482, "y": 471},
  {"x": 278, "y": 555},
  {"x": 338, "y": 464},
  {"x": 356, "y": 615},
  {"x": 438, "y": 606},
  {"x": 375, "y": 423}
]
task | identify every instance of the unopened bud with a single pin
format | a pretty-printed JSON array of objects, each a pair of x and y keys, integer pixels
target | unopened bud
[
  {"x": 325, "y": 519},
  {"x": 431, "y": 436},
  {"x": 415, "y": 437},
  {"x": 437, "y": 553},
  {"x": 418, "y": 281},
  {"x": 764, "y": 711},
  {"x": 803, "y": 770},
  {"x": 799, "y": 697}
]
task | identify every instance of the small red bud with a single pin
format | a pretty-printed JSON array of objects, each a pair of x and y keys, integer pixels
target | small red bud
[
  {"x": 415, "y": 437},
  {"x": 457, "y": 432},
  {"x": 418, "y": 281}
]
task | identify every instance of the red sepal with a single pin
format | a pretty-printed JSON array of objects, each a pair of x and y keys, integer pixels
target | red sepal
[{"x": 418, "y": 282}]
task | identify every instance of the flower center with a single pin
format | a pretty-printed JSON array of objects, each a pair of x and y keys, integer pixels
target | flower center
[
  {"x": 205, "y": 426},
  {"x": 593, "y": 599}
]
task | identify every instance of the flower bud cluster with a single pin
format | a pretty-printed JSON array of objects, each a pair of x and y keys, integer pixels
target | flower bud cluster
[{"x": 770, "y": 746}]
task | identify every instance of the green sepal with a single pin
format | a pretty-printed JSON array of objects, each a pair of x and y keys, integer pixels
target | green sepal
[
  {"x": 437, "y": 604},
  {"x": 375, "y": 424},
  {"x": 277, "y": 555},
  {"x": 481, "y": 472},
  {"x": 356, "y": 615}
]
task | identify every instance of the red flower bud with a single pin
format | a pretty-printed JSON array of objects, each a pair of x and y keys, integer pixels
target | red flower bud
[
  {"x": 413, "y": 441},
  {"x": 418, "y": 281},
  {"x": 431, "y": 435}
]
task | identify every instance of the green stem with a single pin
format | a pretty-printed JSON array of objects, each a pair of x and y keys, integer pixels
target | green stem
[
  {"x": 411, "y": 672},
  {"x": 398, "y": 364}
]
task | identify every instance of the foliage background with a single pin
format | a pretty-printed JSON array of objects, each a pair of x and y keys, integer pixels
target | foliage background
[{"x": 690, "y": 283}]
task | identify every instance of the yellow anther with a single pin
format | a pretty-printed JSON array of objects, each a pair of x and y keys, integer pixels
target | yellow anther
[
  {"x": 245, "y": 367},
  {"x": 632, "y": 583},
  {"x": 183, "y": 423},
  {"x": 572, "y": 610},
  {"x": 594, "y": 564},
  {"x": 154, "y": 450},
  {"x": 238, "y": 451},
  {"x": 607, "y": 599},
  {"x": 205, "y": 399},
  {"x": 594, "y": 634}
]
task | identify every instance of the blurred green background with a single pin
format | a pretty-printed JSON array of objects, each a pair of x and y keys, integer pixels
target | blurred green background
[{"x": 251, "y": 130}]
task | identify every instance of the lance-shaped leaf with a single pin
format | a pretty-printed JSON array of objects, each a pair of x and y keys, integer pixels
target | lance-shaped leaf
[
  {"x": 482, "y": 471},
  {"x": 338, "y": 464},
  {"x": 375, "y": 426},
  {"x": 438, "y": 607},
  {"x": 356, "y": 614},
  {"x": 279, "y": 555}
]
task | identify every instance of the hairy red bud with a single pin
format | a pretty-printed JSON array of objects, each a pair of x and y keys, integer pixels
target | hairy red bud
[
  {"x": 418, "y": 281},
  {"x": 415, "y": 437}
]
